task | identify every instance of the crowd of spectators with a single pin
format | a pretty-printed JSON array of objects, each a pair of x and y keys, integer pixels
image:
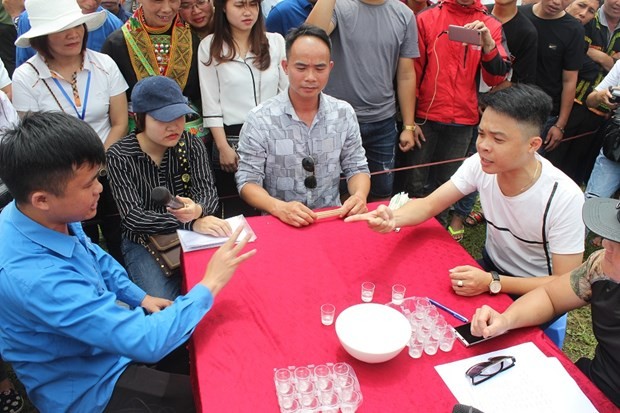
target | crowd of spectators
[{"x": 283, "y": 107}]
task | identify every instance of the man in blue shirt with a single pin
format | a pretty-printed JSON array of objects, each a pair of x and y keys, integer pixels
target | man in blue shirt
[
  {"x": 287, "y": 15},
  {"x": 70, "y": 343},
  {"x": 95, "y": 38}
]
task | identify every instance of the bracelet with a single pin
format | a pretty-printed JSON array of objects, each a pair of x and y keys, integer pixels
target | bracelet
[
  {"x": 561, "y": 129},
  {"x": 410, "y": 127}
]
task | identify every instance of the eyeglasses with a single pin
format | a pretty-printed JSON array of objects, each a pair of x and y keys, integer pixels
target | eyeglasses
[
  {"x": 483, "y": 371},
  {"x": 198, "y": 3},
  {"x": 308, "y": 164}
]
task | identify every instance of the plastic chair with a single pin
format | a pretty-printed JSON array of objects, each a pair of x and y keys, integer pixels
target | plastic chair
[{"x": 557, "y": 331}]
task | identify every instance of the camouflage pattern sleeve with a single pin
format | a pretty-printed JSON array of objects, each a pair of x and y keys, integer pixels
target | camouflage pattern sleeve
[{"x": 582, "y": 277}]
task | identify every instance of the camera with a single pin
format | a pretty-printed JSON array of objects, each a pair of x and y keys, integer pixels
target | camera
[{"x": 615, "y": 95}]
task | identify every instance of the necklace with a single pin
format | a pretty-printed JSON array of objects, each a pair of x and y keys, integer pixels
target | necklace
[{"x": 531, "y": 180}]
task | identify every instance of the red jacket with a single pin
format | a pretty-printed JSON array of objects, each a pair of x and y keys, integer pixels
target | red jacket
[{"x": 448, "y": 80}]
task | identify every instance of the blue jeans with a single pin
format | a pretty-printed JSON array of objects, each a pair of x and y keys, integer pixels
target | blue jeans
[
  {"x": 465, "y": 205},
  {"x": 379, "y": 140},
  {"x": 146, "y": 274},
  {"x": 605, "y": 178}
]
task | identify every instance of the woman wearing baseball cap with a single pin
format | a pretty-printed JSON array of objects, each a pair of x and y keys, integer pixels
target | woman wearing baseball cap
[
  {"x": 596, "y": 282},
  {"x": 159, "y": 152}
]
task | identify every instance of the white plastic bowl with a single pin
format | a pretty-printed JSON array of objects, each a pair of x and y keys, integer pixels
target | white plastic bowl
[{"x": 373, "y": 333}]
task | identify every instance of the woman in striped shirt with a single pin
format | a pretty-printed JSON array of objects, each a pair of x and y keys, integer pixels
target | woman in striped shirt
[{"x": 160, "y": 153}]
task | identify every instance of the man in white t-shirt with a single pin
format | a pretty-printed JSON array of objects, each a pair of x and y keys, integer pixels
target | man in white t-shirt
[{"x": 533, "y": 210}]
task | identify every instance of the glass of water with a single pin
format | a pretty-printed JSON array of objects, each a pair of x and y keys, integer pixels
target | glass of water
[
  {"x": 368, "y": 290},
  {"x": 398, "y": 294}
]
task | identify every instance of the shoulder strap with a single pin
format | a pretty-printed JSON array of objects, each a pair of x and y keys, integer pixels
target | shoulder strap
[{"x": 47, "y": 86}]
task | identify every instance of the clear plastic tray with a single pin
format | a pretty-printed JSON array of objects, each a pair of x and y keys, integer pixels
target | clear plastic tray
[{"x": 321, "y": 388}]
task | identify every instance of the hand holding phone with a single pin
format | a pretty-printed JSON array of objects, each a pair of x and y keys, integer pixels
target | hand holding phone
[
  {"x": 463, "y": 333},
  {"x": 463, "y": 35}
]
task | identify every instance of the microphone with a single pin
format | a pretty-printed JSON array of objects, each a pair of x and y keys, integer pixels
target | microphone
[
  {"x": 161, "y": 196},
  {"x": 462, "y": 408}
]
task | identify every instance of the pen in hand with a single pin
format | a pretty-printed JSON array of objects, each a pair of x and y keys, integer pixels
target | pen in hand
[{"x": 449, "y": 311}]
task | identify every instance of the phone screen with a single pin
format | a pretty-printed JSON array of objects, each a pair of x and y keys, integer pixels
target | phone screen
[{"x": 463, "y": 333}]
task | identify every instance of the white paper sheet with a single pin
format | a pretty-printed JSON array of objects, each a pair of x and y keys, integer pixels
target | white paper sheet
[
  {"x": 192, "y": 241},
  {"x": 536, "y": 384}
]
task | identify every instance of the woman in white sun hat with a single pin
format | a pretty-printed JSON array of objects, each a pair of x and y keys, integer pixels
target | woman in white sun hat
[{"x": 66, "y": 76}]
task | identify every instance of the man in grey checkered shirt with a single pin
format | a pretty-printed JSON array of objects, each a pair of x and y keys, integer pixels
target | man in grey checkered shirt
[{"x": 294, "y": 146}]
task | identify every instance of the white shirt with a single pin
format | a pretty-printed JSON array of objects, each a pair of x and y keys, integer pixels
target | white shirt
[
  {"x": 5, "y": 80},
  {"x": 231, "y": 89},
  {"x": 8, "y": 115},
  {"x": 31, "y": 94},
  {"x": 514, "y": 224}
]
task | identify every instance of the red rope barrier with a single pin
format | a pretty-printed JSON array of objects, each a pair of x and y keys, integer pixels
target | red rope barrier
[{"x": 424, "y": 165}]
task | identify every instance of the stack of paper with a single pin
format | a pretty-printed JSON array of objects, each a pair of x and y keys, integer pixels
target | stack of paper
[
  {"x": 536, "y": 383},
  {"x": 192, "y": 241}
]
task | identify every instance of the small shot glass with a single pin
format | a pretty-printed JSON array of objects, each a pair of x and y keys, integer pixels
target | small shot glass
[
  {"x": 284, "y": 380},
  {"x": 327, "y": 314},
  {"x": 416, "y": 347},
  {"x": 398, "y": 294},
  {"x": 303, "y": 376},
  {"x": 341, "y": 371},
  {"x": 323, "y": 376},
  {"x": 368, "y": 290},
  {"x": 447, "y": 340},
  {"x": 431, "y": 345}
]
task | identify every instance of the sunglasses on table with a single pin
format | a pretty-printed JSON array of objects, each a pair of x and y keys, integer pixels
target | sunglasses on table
[
  {"x": 308, "y": 165},
  {"x": 485, "y": 370}
]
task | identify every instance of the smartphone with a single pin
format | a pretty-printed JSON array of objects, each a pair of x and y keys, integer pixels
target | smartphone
[
  {"x": 463, "y": 333},
  {"x": 463, "y": 35}
]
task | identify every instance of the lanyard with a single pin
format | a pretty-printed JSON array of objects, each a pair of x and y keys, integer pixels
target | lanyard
[{"x": 83, "y": 115}]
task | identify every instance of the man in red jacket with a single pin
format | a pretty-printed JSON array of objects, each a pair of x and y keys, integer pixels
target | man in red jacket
[{"x": 448, "y": 73}]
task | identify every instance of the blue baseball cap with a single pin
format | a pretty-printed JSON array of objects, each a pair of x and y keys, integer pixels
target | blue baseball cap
[{"x": 161, "y": 98}]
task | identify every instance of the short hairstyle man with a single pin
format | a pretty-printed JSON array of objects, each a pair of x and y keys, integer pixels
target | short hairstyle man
[
  {"x": 533, "y": 210},
  {"x": 293, "y": 147},
  {"x": 375, "y": 43},
  {"x": 70, "y": 343},
  {"x": 560, "y": 56}
]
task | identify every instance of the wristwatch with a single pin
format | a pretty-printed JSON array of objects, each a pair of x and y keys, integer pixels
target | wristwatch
[
  {"x": 495, "y": 286},
  {"x": 410, "y": 127}
]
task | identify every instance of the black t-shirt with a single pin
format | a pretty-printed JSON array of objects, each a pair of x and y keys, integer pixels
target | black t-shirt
[
  {"x": 605, "y": 367},
  {"x": 560, "y": 47},
  {"x": 522, "y": 40}
]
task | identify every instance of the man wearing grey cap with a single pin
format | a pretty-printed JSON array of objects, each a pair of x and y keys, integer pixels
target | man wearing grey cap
[
  {"x": 160, "y": 153},
  {"x": 595, "y": 282}
]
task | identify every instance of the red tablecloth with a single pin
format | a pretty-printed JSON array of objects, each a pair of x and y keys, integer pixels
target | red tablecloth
[{"x": 268, "y": 315}]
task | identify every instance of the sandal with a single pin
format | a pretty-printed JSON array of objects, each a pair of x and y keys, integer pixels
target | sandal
[
  {"x": 474, "y": 218},
  {"x": 458, "y": 234},
  {"x": 11, "y": 401}
]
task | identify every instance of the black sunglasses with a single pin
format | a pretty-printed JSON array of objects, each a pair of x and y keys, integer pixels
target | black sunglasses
[
  {"x": 483, "y": 371},
  {"x": 308, "y": 165}
]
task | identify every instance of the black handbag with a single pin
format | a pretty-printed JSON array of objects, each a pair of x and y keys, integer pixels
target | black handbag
[{"x": 611, "y": 140}]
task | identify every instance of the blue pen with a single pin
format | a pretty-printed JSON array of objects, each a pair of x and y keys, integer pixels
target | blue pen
[{"x": 446, "y": 309}]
